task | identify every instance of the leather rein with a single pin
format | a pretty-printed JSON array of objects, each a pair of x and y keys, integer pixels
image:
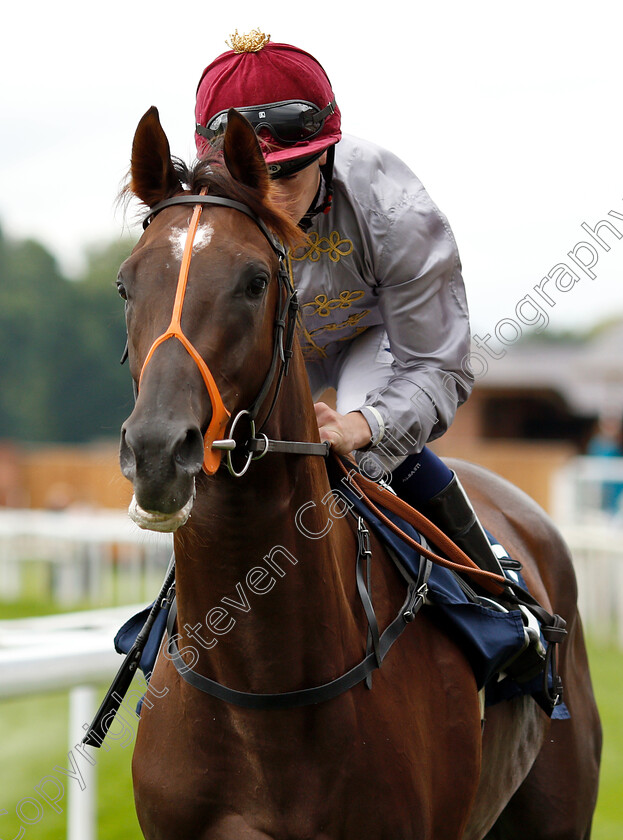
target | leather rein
[
  {"x": 258, "y": 445},
  {"x": 215, "y": 442}
]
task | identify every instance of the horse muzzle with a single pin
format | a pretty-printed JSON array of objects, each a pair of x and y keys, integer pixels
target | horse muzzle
[
  {"x": 161, "y": 459},
  {"x": 167, "y": 523}
]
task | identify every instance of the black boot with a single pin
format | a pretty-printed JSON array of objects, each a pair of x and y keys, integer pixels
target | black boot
[{"x": 452, "y": 511}]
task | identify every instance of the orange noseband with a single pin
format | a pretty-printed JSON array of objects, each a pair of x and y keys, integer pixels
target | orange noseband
[{"x": 220, "y": 415}]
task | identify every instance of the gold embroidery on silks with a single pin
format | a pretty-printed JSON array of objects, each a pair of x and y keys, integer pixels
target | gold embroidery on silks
[
  {"x": 312, "y": 349},
  {"x": 308, "y": 345},
  {"x": 324, "y": 306},
  {"x": 333, "y": 245},
  {"x": 351, "y": 321}
]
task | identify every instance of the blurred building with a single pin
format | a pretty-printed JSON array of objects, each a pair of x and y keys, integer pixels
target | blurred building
[
  {"x": 545, "y": 390},
  {"x": 539, "y": 403},
  {"x": 57, "y": 477},
  {"x": 537, "y": 406}
]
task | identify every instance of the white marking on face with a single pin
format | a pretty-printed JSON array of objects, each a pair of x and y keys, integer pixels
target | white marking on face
[{"x": 203, "y": 237}]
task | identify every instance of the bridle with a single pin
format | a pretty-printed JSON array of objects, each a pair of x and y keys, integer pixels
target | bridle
[{"x": 215, "y": 442}]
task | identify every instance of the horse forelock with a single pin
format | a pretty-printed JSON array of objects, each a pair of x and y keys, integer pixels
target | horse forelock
[{"x": 211, "y": 173}]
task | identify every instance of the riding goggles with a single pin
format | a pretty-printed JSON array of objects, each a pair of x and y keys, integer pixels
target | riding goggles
[{"x": 290, "y": 121}]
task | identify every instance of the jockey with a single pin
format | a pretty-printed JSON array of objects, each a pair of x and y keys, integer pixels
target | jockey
[{"x": 384, "y": 316}]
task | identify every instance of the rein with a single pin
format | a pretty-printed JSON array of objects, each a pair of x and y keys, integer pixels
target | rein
[
  {"x": 370, "y": 492},
  {"x": 378, "y": 644},
  {"x": 285, "y": 323},
  {"x": 257, "y": 446}
]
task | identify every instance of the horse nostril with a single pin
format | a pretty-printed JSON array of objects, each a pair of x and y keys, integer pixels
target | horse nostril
[
  {"x": 189, "y": 452},
  {"x": 127, "y": 458}
]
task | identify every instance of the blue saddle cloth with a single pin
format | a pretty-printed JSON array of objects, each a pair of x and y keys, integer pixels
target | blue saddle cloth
[
  {"x": 487, "y": 637},
  {"x": 127, "y": 633}
]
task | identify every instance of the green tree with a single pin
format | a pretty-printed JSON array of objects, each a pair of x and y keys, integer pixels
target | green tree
[
  {"x": 33, "y": 299},
  {"x": 102, "y": 395},
  {"x": 60, "y": 343}
]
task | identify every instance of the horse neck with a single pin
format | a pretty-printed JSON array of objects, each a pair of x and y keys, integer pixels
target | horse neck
[{"x": 269, "y": 545}]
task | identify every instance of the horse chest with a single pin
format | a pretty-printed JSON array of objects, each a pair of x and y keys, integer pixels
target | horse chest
[{"x": 350, "y": 770}]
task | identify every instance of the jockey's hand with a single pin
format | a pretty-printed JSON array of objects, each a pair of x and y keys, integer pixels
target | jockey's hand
[{"x": 344, "y": 431}]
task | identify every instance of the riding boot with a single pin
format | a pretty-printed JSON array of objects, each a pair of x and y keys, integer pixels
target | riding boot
[
  {"x": 452, "y": 511},
  {"x": 426, "y": 483}
]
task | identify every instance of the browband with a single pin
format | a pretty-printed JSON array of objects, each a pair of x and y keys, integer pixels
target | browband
[{"x": 220, "y": 202}]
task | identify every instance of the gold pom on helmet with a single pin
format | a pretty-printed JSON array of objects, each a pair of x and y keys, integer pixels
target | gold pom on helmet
[{"x": 252, "y": 41}]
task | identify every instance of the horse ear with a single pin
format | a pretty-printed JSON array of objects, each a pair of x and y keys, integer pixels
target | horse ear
[
  {"x": 153, "y": 176},
  {"x": 243, "y": 155}
]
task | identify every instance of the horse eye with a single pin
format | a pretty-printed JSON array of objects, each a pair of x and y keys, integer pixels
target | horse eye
[
  {"x": 121, "y": 289},
  {"x": 257, "y": 287}
]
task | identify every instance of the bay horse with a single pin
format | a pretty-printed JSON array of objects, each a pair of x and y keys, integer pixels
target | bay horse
[{"x": 266, "y": 591}]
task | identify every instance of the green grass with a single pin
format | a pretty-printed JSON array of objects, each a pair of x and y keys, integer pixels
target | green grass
[
  {"x": 34, "y": 739},
  {"x": 117, "y": 586},
  {"x": 607, "y": 673},
  {"x": 33, "y": 735},
  {"x": 31, "y": 607}
]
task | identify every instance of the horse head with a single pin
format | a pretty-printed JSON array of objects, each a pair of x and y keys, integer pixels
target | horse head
[{"x": 202, "y": 288}]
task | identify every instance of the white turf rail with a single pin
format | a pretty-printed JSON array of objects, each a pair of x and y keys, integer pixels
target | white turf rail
[
  {"x": 71, "y": 652},
  {"x": 59, "y": 652}
]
